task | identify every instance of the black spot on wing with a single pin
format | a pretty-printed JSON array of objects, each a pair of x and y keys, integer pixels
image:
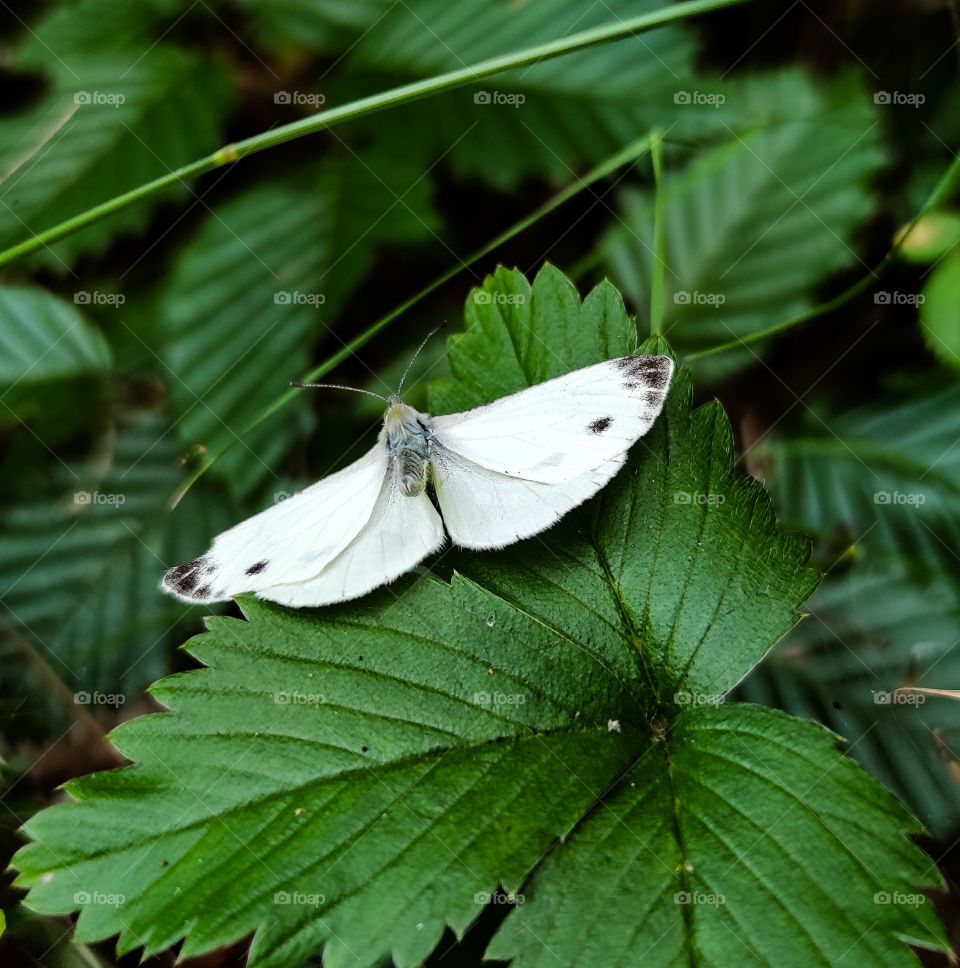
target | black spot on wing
[
  {"x": 599, "y": 426},
  {"x": 255, "y": 569},
  {"x": 184, "y": 578},
  {"x": 203, "y": 592},
  {"x": 651, "y": 371}
]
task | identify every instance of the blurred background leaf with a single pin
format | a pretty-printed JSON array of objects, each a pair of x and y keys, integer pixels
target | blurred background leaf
[{"x": 798, "y": 143}]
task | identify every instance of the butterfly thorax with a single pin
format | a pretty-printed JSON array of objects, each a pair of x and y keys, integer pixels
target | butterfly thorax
[{"x": 407, "y": 436}]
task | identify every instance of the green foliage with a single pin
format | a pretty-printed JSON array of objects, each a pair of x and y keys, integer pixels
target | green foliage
[
  {"x": 545, "y": 718},
  {"x": 931, "y": 238},
  {"x": 44, "y": 339},
  {"x": 577, "y": 109},
  {"x": 108, "y": 122},
  {"x": 407, "y": 754},
  {"x": 940, "y": 312},
  {"x": 883, "y": 482},
  {"x": 79, "y": 564},
  {"x": 754, "y": 225},
  {"x": 288, "y": 254}
]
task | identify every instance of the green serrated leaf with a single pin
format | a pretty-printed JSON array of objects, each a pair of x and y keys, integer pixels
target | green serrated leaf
[
  {"x": 778, "y": 853},
  {"x": 359, "y": 777},
  {"x": 885, "y": 476},
  {"x": 753, "y": 226},
  {"x": 877, "y": 487},
  {"x": 80, "y": 567},
  {"x": 871, "y": 630},
  {"x": 261, "y": 281},
  {"x": 110, "y": 122},
  {"x": 43, "y": 338},
  {"x": 332, "y": 25}
]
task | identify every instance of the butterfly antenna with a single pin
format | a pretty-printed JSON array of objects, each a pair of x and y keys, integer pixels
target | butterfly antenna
[
  {"x": 427, "y": 339},
  {"x": 334, "y": 386}
]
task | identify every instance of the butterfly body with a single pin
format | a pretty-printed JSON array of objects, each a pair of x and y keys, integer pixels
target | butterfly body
[
  {"x": 407, "y": 436},
  {"x": 499, "y": 473}
]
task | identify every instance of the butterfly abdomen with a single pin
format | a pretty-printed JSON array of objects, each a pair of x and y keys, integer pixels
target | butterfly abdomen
[{"x": 408, "y": 443}]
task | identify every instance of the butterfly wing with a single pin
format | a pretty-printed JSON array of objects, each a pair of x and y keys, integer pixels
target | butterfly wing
[
  {"x": 511, "y": 468},
  {"x": 563, "y": 428},
  {"x": 401, "y": 532},
  {"x": 289, "y": 542},
  {"x": 485, "y": 509}
]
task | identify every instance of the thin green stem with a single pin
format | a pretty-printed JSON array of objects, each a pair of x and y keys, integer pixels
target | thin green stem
[
  {"x": 633, "y": 151},
  {"x": 369, "y": 105},
  {"x": 658, "y": 269},
  {"x": 940, "y": 191}
]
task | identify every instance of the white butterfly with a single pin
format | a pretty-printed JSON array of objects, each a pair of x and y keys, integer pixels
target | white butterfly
[{"x": 500, "y": 472}]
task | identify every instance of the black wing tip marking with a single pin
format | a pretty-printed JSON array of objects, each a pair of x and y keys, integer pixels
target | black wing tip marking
[
  {"x": 654, "y": 371},
  {"x": 599, "y": 426},
  {"x": 183, "y": 580}
]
